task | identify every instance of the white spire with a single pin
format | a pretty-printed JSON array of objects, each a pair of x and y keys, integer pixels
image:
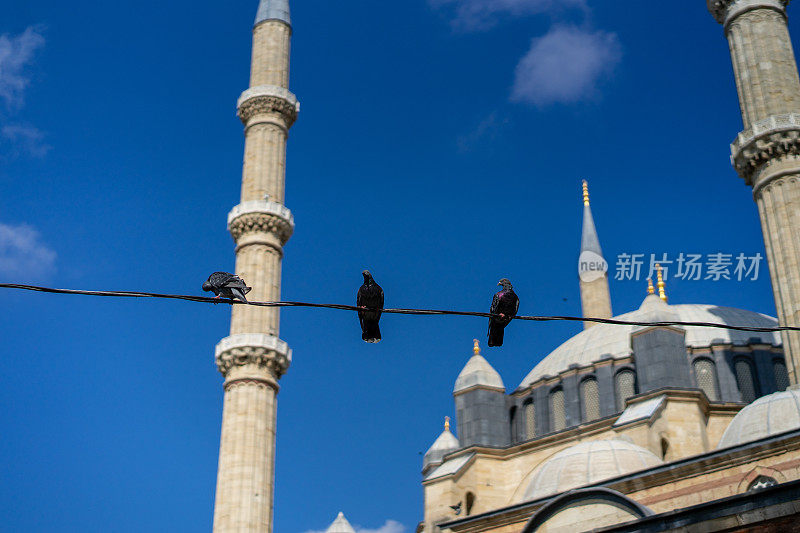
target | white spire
[{"x": 340, "y": 525}]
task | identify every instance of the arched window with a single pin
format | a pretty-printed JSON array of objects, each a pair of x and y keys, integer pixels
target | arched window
[
  {"x": 590, "y": 397},
  {"x": 762, "y": 482},
  {"x": 512, "y": 418},
  {"x": 664, "y": 448},
  {"x": 626, "y": 387},
  {"x": 744, "y": 378},
  {"x": 558, "y": 419},
  {"x": 470, "y": 502},
  {"x": 706, "y": 374},
  {"x": 781, "y": 376},
  {"x": 530, "y": 420}
]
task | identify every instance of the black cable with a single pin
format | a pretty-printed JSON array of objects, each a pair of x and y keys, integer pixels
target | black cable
[{"x": 206, "y": 299}]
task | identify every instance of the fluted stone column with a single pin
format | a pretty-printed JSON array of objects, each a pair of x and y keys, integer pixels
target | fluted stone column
[
  {"x": 767, "y": 153},
  {"x": 252, "y": 359}
]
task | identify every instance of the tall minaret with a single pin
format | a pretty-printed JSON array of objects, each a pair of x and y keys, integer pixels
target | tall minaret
[
  {"x": 592, "y": 269},
  {"x": 767, "y": 153},
  {"x": 253, "y": 358}
]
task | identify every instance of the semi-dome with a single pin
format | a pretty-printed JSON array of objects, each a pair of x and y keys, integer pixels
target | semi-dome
[
  {"x": 768, "y": 415},
  {"x": 446, "y": 443},
  {"x": 477, "y": 372},
  {"x": 588, "y": 462},
  {"x": 610, "y": 340}
]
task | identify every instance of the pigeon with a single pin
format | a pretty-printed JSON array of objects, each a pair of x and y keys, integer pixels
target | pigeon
[
  {"x": 505, "y": 304},
  {"x": 370, "y": 296},
  {"x": 227, "y": 285},
  {"x": 456, "y": 508}
]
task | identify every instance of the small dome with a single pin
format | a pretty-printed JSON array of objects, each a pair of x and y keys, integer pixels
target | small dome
[
  {"x": 768, "y": 415},
  {"x": 446, "y": 443},
  {"x": 604, "y": 340},
  {"x": 588, "y": 462},
  {"x": 340, "y": 525},
  {"x": 478, "y": 371}
]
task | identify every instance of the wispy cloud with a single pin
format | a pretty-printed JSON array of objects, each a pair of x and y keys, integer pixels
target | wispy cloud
[
  {"x": 565, "y": 65},
  {"x": 23, "y": 254},
  {"x": 16, "y": 54},
  {"x": 391, "y": 526},
  {"x": 486, "y": 131},
  {"x": 24, "y": 138},
  {"x": 475, "y": 15}
]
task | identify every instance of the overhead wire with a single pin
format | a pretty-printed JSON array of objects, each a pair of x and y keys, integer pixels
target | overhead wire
[{"x": 400, "y": 311}]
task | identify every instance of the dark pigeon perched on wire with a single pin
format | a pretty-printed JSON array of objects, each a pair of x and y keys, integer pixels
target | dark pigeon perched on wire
[
  {"x": 370, "y": 299},
  {"x": 505, "y": 304},
  {"x": 227, "y": 285}
]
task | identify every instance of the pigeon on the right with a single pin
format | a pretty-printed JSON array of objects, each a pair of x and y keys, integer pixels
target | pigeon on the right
[{"x": 506, "y": 304}]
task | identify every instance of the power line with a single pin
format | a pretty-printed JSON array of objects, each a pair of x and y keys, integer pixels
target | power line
[{"x": 206, "y": 299}]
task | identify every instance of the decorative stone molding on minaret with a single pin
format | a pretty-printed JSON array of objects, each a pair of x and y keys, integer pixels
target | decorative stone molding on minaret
[
  {"x": 252, "y": 359},
  {"x": 592, "y": 269},
  {"x": 767, "y": 153}
]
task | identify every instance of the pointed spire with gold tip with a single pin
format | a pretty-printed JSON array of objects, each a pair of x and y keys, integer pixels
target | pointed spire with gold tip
[
  {"x": 650, "y": 288},
  {"x": 446, "y": 443},
  {"x": 592, "y": 268}
]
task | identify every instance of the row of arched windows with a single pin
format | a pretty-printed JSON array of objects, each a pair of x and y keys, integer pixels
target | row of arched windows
[
  {"x": 705, "y": 372},
  {"x": 625, "y": 386}
]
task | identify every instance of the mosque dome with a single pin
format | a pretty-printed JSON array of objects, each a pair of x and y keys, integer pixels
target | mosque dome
[
  {"x": 588, "y": 462},
  {"x": 340, "y": 525},
  {"x": 446, "y": 443},
  {"x": 610, "y": 340},
  {"x": 478, "y": 371},
  {"x": 768, "y": 415}
]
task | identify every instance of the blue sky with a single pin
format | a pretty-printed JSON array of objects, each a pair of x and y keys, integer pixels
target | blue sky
[{"x": 441, "y": 144}]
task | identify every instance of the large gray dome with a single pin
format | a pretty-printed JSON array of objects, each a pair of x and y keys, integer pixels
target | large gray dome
[
  {"x": 768, "y": 415},
  {"x": 604, "y": 340}
]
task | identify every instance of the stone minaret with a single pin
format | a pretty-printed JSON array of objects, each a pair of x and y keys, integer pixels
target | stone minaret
[
  {"x": 767, "y": 153},
  {"x": 252, "y": 359},
  {"x": 592, "y": 269}
]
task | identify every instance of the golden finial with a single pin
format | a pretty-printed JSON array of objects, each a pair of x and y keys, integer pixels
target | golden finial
[
  {"x": 447, "y": 423},
  {"x": 662, "y": 293},
  {"x": 585, "y": 193},
  {"x": 476, "y": 349},
  {"x": 650, "y": 288}
]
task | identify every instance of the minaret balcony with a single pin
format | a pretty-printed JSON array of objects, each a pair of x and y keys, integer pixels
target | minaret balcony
[
  {"x": 242, "y": 356},
  {"x": 771, "y": 138},
  {"x": 261, "y": 217},
  {"x": 266, "y": 100}
]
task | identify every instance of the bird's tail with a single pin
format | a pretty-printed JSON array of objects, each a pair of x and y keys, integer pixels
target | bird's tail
[
  {"x": 371, "y": 331},
  {"x": 238, "y": 294},
  {"x": 496, "y": 332}
]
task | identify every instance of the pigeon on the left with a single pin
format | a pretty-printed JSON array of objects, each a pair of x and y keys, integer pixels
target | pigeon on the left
[
  {"x": 369, "y": 301},
  {"x": 227, "y": 285}
]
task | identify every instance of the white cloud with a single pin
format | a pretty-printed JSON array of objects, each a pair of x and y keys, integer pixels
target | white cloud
[
  {"x": 486, "y": 131},
  {"x": 482, "y": 14},
  {"x": 23, "y": 255},
  {"x": 16, "y": 53},
  {"x": 24, "y": 138},
  {"x": 565, "y": 66},
  {"x": 391, "y": 526}
]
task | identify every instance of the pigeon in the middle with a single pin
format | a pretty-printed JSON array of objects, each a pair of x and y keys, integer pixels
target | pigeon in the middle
[
  {"x": 505, "y": 304},
  {"x": 370, "y": 302}
]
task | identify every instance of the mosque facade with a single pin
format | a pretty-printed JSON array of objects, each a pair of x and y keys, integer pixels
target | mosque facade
[{"x": 652, "y": 427}]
